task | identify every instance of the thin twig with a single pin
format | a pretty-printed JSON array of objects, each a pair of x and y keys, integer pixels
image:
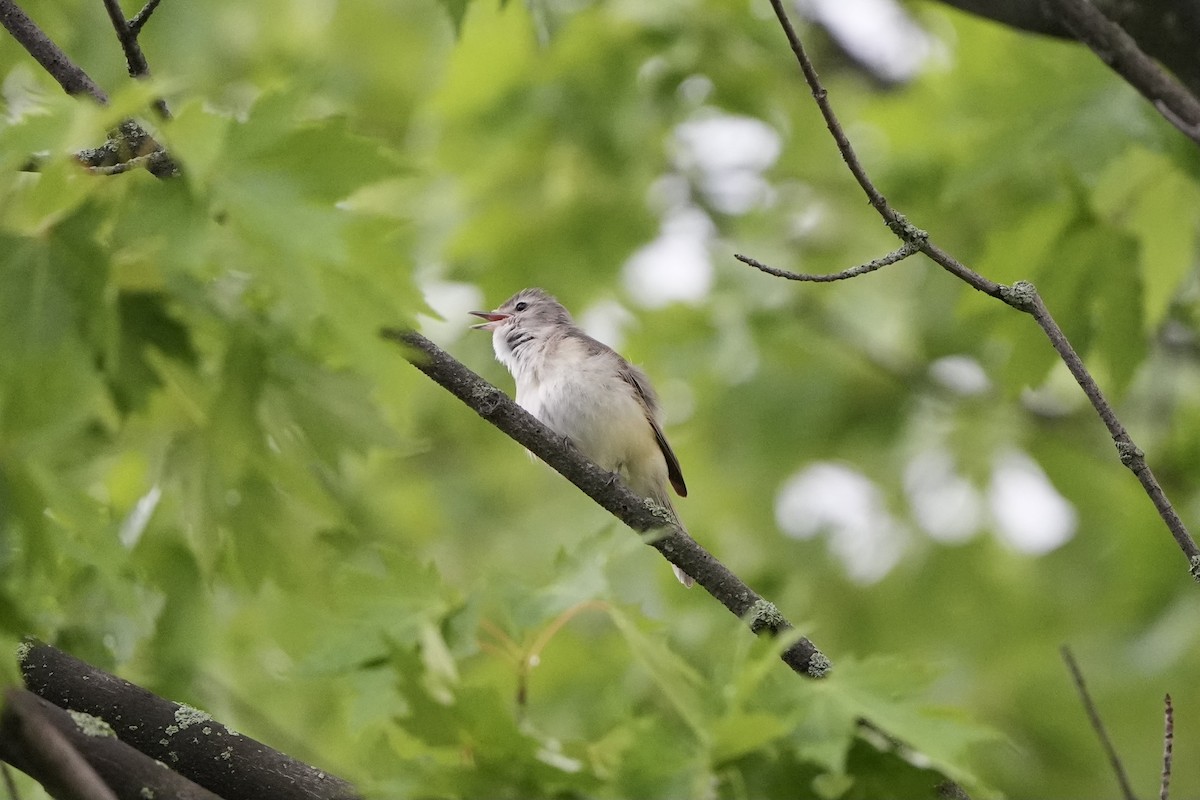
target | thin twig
[
  {"x": 129, "y": 139},
  {"x": 905, "y": 250},
  {"x": 1024, "y": 296},
  {"x": 153, "y": 162},
  {"x": 533, "y": 656},
  {"x": 1120, "y": 52},
  {"x": 1097, "y": 725},
  {"x": 1021, "y": 296},
  {"x": 664, "y": 533},
  {"x": 1164, "y": 791},
  {"x": 142, "y": 17},
  {"x": 895, "y": 221},
  {"x": 135, "y": 59}
]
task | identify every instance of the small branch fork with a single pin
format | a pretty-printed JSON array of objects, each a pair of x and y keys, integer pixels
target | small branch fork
[
  {"x": 662, "y": 531},
  {"x": 1021, "y": 295},
  {"x": 129, "y": 140},
  {"x": 127, "y": 35}
]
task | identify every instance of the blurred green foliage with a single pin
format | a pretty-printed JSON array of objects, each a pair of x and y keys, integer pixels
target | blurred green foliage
[{"x": 216, "y": 480}]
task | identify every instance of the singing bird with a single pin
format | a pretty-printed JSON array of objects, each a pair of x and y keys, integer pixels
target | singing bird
[{"x": 584, "y": 390}]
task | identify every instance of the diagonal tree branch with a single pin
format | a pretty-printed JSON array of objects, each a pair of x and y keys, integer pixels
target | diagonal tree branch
[
  {"x": 198, "y": 747},
  {"x": 1021, "y": 296},
  {"x": 143, "y": 16},
  {"x": 904, "y": 251},
  {"x": 665, "y": 534},
  {"x": 32, "y": 743},
  {"x": 1024, "y": 297},
  {"x": 128, "y": 140},
  {"x": 124, "y": 771},
  {"x": 135, "y": 59},
  {"x": 70, "y": 76},
  {"x": 1121, "y": 53},
  {"x": 1097, "y": 725}
]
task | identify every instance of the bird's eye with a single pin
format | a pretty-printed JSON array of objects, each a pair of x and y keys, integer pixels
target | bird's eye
[{"x": 521, "y": 306}]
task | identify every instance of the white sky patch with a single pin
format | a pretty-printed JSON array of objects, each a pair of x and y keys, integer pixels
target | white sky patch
[
  {"x": 727, "y": 156},
  {"x": 675, "y": 267},
  {"x": 944, "y": 503},
  {"x": 879, "y": 33},
  {"x": 737, "y": 358},
  {"x": 848, "y": 507},
  {"x": 960, "y": 374},
  {"x": 1029, "y": 513},
  {"x": 453, "y": 301},
  {"x": 695, "y": 89},
  {"x": 606, "y": 321}
]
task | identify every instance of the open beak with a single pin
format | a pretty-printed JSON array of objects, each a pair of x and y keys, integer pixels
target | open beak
[{"x": 494, "y": 318}]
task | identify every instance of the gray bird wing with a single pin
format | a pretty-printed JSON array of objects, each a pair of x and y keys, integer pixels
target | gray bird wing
[
  {"x": 645, "y": 394},
  {"x": 648, "y": 400}
]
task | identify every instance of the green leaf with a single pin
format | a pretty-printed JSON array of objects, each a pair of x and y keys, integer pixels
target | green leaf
[
  {"x": 736, "y": 735},
  {"x": 678, "y": 682},
  {"x": 1147, "y": 195},
  {"x": 456, "y": 10},
  {"x": 887, "y": 691}
]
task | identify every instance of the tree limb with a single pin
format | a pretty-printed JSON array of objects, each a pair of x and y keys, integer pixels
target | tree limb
[
  {"x": 904, "y": 251},
  {"x": 70, "y": 77},
  {"x": 1120, "y": 52},
  {"x": 128, "y": 140},
  {"x": 123, "y": 772},
  {"x": 33, "y": 744},
  {"x": 135, "y": 59},
  {"x": 225, "y": 762},
  {"x": 665, "y": 534},
  {"x": 1167, "y": 30},
  {"x": 1021, "y": 296}
]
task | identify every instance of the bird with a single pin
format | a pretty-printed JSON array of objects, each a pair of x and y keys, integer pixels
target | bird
[{"x": 585, "y": 391}]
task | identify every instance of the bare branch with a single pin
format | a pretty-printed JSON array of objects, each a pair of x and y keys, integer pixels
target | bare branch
[
  {"x": 1120, "y": 52},
  {"x": 665, "y": 534},
  {"x": 29, "y": 741},
  {"x": 1097, "y": 725},
  {"x": 1021, "y": 296},
  {"x": 142, "y": 17},
  {"x": 905, "y": 250},
  {"x": 135, "y": 59},
  {"x": 129, "y": 140},
  {"x": 896, "y": 222},
  {"x": 227, "y": 763},
  {"x": 1164, "y": 791},
  {"x": 70, "y": 77},
  {"x": 123, "y": 770},
  {"x": 154, "y": 162}
]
